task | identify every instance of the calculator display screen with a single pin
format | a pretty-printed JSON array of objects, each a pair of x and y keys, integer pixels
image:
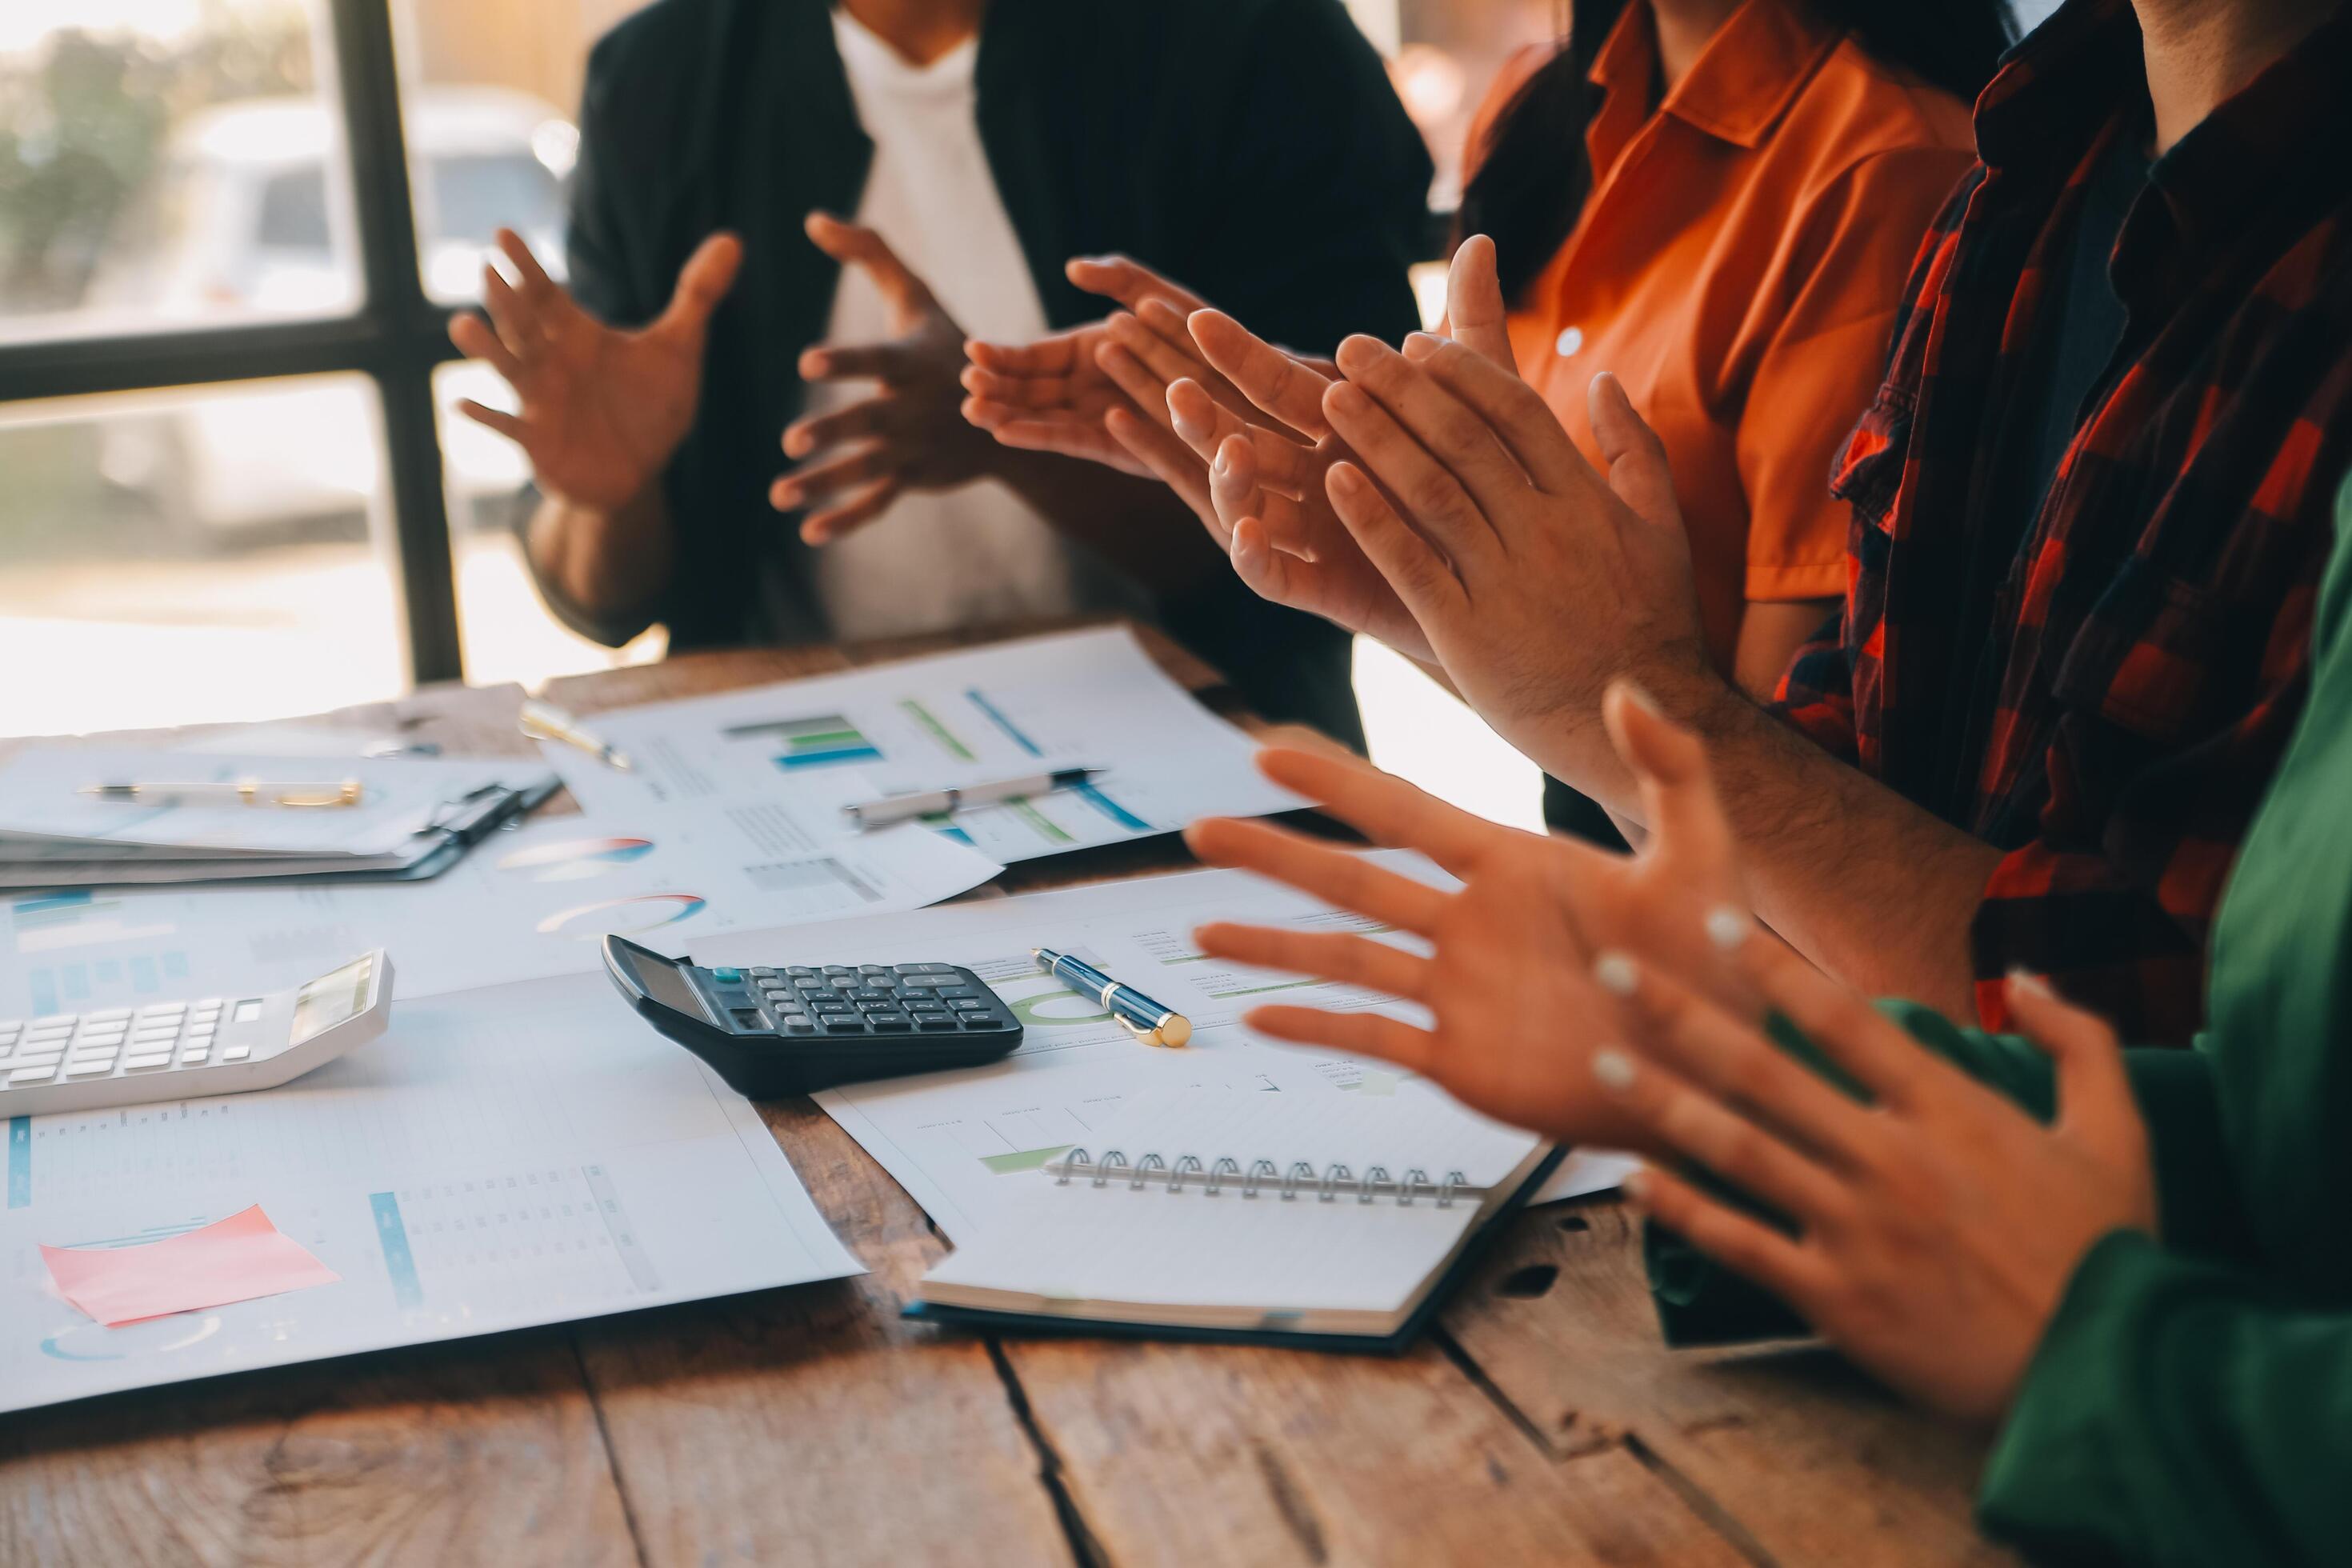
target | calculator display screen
[
  {"x": 330, "y": 999},
  {"x": 665, "y": 984}
]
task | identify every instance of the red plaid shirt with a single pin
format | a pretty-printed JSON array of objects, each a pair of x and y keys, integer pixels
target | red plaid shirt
[{"x": 2151, "y": 632}]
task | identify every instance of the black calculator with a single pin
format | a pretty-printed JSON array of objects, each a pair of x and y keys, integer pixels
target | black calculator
[{"x": 788, "y": 1030}]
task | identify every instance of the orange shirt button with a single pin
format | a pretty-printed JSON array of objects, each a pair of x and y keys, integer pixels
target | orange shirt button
[{"x": 1571, "y": 338}]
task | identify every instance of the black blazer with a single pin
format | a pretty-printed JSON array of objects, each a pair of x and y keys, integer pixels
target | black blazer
[{"x": 1252, "y": 149}]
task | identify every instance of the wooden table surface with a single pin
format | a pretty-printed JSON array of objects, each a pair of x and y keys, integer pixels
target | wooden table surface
[{"x": 1542, "y": 1421}]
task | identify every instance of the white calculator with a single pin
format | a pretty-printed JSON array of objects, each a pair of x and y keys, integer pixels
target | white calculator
[{"x": 178, "y": 1050}]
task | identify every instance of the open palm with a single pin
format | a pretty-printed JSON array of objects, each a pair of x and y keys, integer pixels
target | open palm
[{"x": 603, "y": 409}]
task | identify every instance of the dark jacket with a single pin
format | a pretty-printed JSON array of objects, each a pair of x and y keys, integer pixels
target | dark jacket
[{"x": 1252, "y": 149}]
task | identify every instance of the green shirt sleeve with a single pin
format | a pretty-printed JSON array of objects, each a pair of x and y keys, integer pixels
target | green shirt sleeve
[{"x": 2178, "y": 1411}]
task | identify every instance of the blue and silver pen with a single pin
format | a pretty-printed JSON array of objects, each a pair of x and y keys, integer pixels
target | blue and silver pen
[{"x": 1139, "y": 1014}]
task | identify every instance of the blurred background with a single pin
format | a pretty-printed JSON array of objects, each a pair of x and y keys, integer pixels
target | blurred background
[{"x": 305, "y": 522}]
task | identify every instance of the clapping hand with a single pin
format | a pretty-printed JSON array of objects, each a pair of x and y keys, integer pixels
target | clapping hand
[
  {"x": 1054, "y": 395},
  {"x": 1534, "y": 581},
  {"x": 1529, "y": 955},
  {"x": 909, "y": 435},
  {"x": 1934, "y": 1227},
  {"x": 603, "y": 409}
]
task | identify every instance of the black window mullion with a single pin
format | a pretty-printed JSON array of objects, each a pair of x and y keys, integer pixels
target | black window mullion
[{"x": 410, "y": 330}]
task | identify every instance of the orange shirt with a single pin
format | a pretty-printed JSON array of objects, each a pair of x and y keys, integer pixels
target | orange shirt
[{"x": 1737, "y": 265}]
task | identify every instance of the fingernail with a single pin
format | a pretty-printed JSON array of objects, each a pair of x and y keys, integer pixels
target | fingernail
[
  {"x": 1613, "y": 1068},
  {"x": 1357, "y": 353},
  {"x": 1218, "y": 467},
  {"x": 1617, "y": 972},
  {"x": 2032, "y": 984},
  {"x": 812, "y": 365},
  {"x": 1727, "y": 927},
  {"x": 1421, "y": 345},
  {"x": 1187, "y": 426},
  {"x": 1344, "y": 399},
  {"x": 1635, "y": 1186}
]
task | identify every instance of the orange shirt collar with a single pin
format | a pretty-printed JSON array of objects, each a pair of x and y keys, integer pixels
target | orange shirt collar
[{"x": 1750, "y": 72}]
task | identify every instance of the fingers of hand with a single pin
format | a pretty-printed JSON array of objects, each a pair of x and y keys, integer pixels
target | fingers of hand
[
  {"x": 860, "y": 509},
  {"x": 1474, "y": 301},
  {"x": 1456, "y": 434},
  {"x": 867, "y": 416},
  {"x": 1159, "y": 356},
  {"x": 1888, "y": 1064},
  {"x": 1678, "y": 797},
  {"x": 1168, "y": 458},
  {"x": 856, "y": 361},
  {"x": 506, "y": 425},
  {"x": 1638, "y": 471},
  {"x": 1196, "y": 416},
  {"x": 1733, "y": 1061},
  {"x": 818, "y": 482},
  {"x": 1356, "y": 1033},
  {"x": 1691, "y": 1122},
  {"x": 1424, "y": 487},
  {"x": 1422, "y": 578},
  {"x": 1143, "y": 386},
  {"x": 1388, "y": 810},
  {"x": 2094, "y": 1093},
  {"x": 703, "y": 282},
  {"x": 1278, "y": 383},
  {"x": 531, "y": 279},
  {"x": 1045, "y": 392},
  {"x": 517, "y": 323},
  {"x": 1740, "y": 1242},
  {"x": 475, "y": 340},
  {"x": 1344, "y": 879},
  {"x": 1328, "y": 955},
  {"x": 1128, "y": 281},
  {"x": 1510, "y": 411},
  {"x": 856, "y": 245}
]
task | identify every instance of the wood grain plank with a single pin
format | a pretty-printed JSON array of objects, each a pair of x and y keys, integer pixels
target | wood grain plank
[
  {"x": 477, "y": 1451},
  {"x": 1192, "y": 1454},
  {"x": 1817, "y": 1463},
  {"x": 813, "y": 1426}
]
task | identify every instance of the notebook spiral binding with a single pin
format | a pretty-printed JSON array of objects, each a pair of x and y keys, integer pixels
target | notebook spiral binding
[{"x": 1263, "y": 1175}]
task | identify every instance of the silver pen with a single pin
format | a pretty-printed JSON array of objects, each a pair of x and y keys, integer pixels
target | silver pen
[{"x": 933, "y": 802}]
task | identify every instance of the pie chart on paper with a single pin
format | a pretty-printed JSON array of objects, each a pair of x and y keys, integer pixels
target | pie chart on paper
[
  {"x": 576, "y": 860},
  {"x": 622, "y": 917}
]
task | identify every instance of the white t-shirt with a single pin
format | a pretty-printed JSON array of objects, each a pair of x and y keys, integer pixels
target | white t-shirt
[{"x": 939, "y": 559}]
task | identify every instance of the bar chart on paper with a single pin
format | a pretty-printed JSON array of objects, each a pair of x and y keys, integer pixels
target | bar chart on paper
[{"x": 1081, "y": 700}]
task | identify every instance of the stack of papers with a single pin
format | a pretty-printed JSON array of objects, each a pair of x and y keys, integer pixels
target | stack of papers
[{"x": 413, "y": 817}]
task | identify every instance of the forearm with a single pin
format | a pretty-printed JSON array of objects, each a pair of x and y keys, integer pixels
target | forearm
[
  {"x": 606, "y": 570},
  {"x": 1137, "y": 525},
  {"x": 1871, "y": 887}
]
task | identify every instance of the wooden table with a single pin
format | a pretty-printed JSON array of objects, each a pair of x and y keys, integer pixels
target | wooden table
[{"x": 1542, "y": 1422}]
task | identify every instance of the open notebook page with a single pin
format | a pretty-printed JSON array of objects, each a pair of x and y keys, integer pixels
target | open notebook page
[{"x": 1225, "y": 1260}]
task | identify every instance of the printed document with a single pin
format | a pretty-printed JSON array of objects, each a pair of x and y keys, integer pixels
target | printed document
[
  {"x": 810, "y": 747},
  {"x": 525, "y": 1155}
]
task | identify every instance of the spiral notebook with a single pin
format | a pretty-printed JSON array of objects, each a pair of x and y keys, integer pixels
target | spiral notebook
[{"x": 1333, "y": 1220}]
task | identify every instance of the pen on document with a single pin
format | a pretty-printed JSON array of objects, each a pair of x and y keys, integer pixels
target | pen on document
[
  {"x": 932, "y": 801},
  {"x": 1141, "y": 1017},
  {"x": 546, "y": 721},
  {"x": 242, "y": 792}
]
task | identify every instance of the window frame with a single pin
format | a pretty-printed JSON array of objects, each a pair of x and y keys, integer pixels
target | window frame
[{"x": 397, "y": 338}]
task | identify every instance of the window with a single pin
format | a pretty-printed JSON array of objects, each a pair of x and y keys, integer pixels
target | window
[{"x": 231, "y": 233}]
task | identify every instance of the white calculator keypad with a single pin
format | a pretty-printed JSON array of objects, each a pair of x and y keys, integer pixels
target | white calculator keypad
[{"x": 69, "y": 1046}]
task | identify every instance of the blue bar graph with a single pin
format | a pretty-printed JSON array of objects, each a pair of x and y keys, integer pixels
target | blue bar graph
[
  {"x": 392, "y": 1233},
  {"x": 996, "y": 717},
  {"x": 20, "y": 1161},
  {"x": 1112, "y": 809}
]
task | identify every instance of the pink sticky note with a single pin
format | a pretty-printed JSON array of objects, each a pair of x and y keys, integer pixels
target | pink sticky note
[{"x": 234, "y": 1260}]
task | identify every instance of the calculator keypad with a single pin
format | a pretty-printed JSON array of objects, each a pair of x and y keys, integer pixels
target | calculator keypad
[
  {"x": 838, "y": 1001},
  {"x": 67, "y": 1047}
]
